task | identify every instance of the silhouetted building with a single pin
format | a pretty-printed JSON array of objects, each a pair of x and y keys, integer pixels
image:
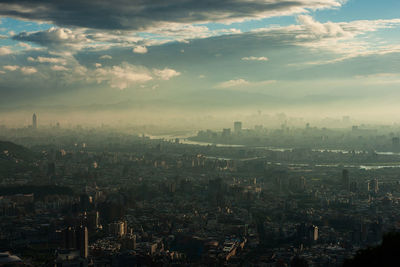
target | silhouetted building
[
  {"x": 237, "y": 126},
  {"x": 226, "y": 132},
  {"x": 83, "y": 241},
  {"x": 76, "y": 238},
  {"x": 93, "y": 220},
  {"x": 118, "y": 229},
  {"x": 302, "y": 183},
  {"x": 84, "y": 201},
  {"x": 129, "y": 242},
  {"x": 353, "y": 186},
  {"x": 375, "y": 185},
  {"x": 345, "y": 179},
  {"x": 34, "y": 121},
  {"x": 69, "y": 258},
  {"x": 51, "y": 169}
]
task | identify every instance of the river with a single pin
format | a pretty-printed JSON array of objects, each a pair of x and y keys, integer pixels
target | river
[{"x": 183, "y": 139}]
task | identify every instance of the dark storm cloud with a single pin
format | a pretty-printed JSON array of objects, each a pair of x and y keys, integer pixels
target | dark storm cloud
[{"x": 139, "y": 14}]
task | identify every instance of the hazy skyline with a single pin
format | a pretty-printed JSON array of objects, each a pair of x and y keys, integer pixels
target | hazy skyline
[{"x": 168, "y": 58}]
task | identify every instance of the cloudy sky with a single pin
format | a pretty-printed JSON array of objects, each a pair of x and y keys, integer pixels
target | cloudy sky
[{"x": 328, "y": 56}]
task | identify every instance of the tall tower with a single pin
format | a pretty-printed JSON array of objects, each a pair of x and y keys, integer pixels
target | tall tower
[
  {"x": 34, "y": 121},
  {"x": 83, "y": 241}
]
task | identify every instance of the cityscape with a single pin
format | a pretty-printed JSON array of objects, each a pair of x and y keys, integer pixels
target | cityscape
[
  {"x": 238, "y": 133},
  {"x": 92, "y": 197}
]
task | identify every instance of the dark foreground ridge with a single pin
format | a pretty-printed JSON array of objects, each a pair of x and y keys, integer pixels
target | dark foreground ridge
[
  {"x": 19, "y": 152},
  {"x": 386, "y": 254},
  {"x": 15, "y": 159}
]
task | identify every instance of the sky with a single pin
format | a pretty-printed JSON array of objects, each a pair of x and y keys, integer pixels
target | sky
[{"x": 189, "y": 58}]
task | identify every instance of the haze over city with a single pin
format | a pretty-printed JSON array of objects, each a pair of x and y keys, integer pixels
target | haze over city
[{"x": 199, "y": 133}]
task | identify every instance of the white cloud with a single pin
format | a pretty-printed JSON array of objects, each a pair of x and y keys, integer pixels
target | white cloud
[
  {"x": 122, "y": 76},
  {"x": 28, "y": 70},
  {"x": 53, "y": 60},
  {"x": 105, "y": 57},
  {"x": 121, "y": 37},
  {"x": 58, "y": 68},
  {"x": 344, "y": 40},
  {"x": 140, "y": 50},
  {"x": 25, "y": 45},
  {"x": 233, "y": 83},
  {"x": 315, "y": 29},
  {"x": 166, "y": 74},
  {"x": 240, "y": 83},
  {"x": 11, "y": 67},
  {"x": 170, "y": 32},
  {"x": 5, "y": 51},
  {"x": 252, "y": 58}
]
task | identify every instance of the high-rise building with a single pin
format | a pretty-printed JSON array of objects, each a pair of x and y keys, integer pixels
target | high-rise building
[
  {"x": 367, "y": 186},
  {"x": 346, "y": 119},
  {"x": 302, "y": 183},
  {"x": 83, "y": 241},
  {"x": 118, "y": 229},
  {"x": 395, "y": 141},
  {"x": 129, "y": 242},
  {"x": 34, "y": 121},
  {"x": 237, "y": 126},
  {"x": 76, "y": 238},
  {"x": 353, "y": 186},
  {"x": 375, "y": 185},
  {"x": 313, "y": 233},
  {"x": 345, "y": 179},
  {"x": 226, "y": 132},
  {"x": 85, "y": 201},
  {"x": 51, "y": 169},
  {"x": 69, "y": 238},
  {"x": 93, "y": 220}
]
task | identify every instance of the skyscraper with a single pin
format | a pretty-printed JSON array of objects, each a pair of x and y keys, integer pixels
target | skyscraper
[
  {"x": 34, "y": 121},
  {"x": 237, "y": 126},
  {"x": 76, "y": 238}
]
